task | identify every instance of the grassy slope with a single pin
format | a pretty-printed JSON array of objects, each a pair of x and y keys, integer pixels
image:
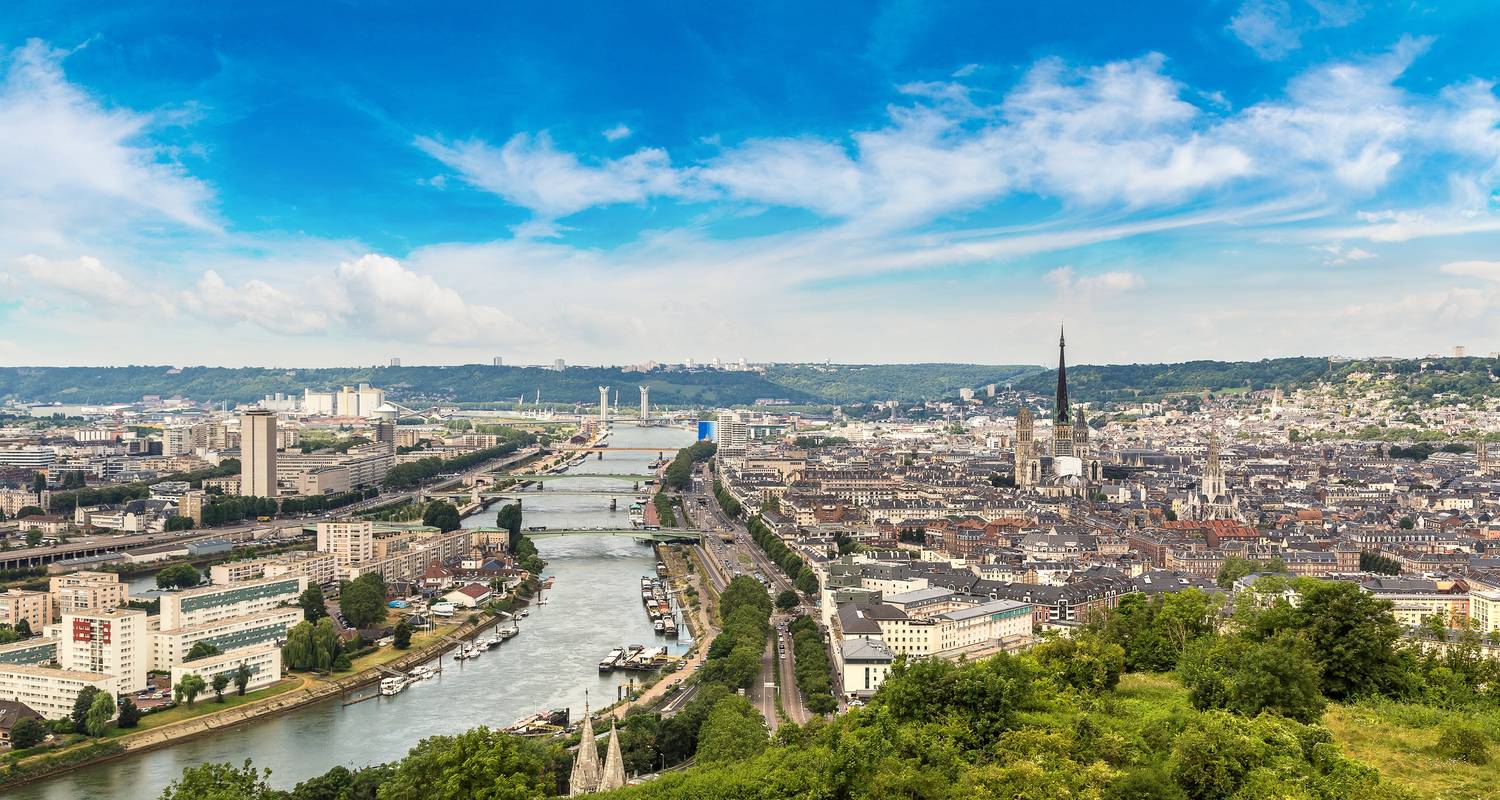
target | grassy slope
[
  {"x": 1398, "y": 739},
  {"x": 1395, "y": 738}
]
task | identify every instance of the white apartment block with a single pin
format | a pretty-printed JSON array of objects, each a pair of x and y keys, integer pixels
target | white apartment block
[
  {"x": 211, "y": 603},
  {"x": 318, "y": 568},
  {"x": 48, "y": 691},
  {"x": 350, "y": 542},
  {"x": 114, "y": 643},
  {"x": 264, "y": 662},
  {"x": 170, "y": 648},
  {"x": 411, "y": 557}
]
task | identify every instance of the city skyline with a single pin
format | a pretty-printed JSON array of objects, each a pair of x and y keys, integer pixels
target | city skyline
[{"x": 1255, "y": 179}]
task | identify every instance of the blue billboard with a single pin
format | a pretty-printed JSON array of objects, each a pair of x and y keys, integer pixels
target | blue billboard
[{"x": 706, "y": 430}]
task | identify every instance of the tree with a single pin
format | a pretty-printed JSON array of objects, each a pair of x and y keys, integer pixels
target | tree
[
  {"x": 38, "y": 483},
  {"x": 1353, "y": 635},
  {"x": 179, "y": 576},
  {"x": 130, "y": 715},
  {"x": 241, "y": 678},
  {"x": 221, "y": 782},
  {"x": 313, "y": 604},
  {"x": 733, "y": 731},
  {"x": 202, "y": 649},
  {"x": 509, "y": 518},
  {"x": 33, "y": 537},
  {"x": 442, "y": 515},
  {"x": 178, "y": 523},
  {"x": 807, "y": 581},
  {"x": 101, "y": 711},
  {"x": 402, "y": 635},
  {"x": 23, "y": 628},
  {"x": 29, "y": 511},
  {"x": 189, "y": 688},
  {"x": 362, "y": 601},
  {"x": 28, "y": 732},
  {"x": 81, "y": 705},
  {"x": 219, "y": 683},
  {"x": 787, "y": 600},
  {"x": 476, "y": 763}
]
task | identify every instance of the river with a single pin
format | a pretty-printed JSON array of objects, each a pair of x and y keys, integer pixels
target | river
[{"x": 593, "y": 606}]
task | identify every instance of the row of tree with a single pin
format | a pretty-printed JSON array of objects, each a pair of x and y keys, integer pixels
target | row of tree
[
  {"x": 679, "y": 474},
  {"x": 814, "y": 676},
  {"x": 792, "y": 564}
]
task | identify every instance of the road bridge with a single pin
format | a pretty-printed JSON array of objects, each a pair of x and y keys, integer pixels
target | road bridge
[
  {"x": 664, "y": 535},
  {"x": 624, "y": 476}
]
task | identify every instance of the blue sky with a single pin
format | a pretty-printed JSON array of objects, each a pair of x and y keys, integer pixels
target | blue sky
[{"x": 301, "y": 184}]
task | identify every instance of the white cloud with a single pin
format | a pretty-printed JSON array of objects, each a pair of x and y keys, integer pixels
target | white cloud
[
  {"x": 1484, "y": 270},
  {"x": 531, "y": 172},
  {"x": 1274, "y": 28},
  {"x": 387, "y": 297},
  {"x": 258, "y": 302},
  {"x": 1336, "y": 253},
  {"x": 1074, "y": 286},
  {"x": 370, "y": 297},
  {"x": 69, "y": 163},
  {"x": 617, "y": 132},
  {"x": 85, "y": 278}
]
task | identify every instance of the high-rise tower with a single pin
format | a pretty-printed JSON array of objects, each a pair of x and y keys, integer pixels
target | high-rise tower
[
  {"x": 645, "y": 403},
  {"x": 258, "y": 453},
  {"x": 603, "y": 405}
]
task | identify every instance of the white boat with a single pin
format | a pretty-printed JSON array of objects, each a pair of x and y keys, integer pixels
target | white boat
[
  {"x": 390, "y": 687},
  {"x": 442, "y": 609},
  {"x": 610, "y": 660},
  {"x": 422, "y": 673}
]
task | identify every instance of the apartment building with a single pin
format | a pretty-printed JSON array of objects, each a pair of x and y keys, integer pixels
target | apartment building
[
  {"x": 212, "y": 603},
  {"x": 13, "y": 500},
  {"x": 407, "y": 562},
  {"x": 88, "y": 591},
  {"x": 318, "y": 568},
  {"x": 115, "y": 643},
  {"x": 170, "y": 647},
  {"x": 264, "y": 662},
  {"x": 49, "y": 691},
  {"x": 350, "y": 542},
  {"x": 33, "y": 607}
]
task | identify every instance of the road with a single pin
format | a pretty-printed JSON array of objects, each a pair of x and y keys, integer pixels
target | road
[{"x": 723, "y": 560}]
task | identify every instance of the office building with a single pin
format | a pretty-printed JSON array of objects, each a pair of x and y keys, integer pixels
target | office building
[
  {"x": 258, "y": 453},
  {"x": 36, "y": 458}
]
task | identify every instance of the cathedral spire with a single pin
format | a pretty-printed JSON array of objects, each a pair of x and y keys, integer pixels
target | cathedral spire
[
  {"x": 585, "y": 777},
  {"x": 1061, "y": 411}
]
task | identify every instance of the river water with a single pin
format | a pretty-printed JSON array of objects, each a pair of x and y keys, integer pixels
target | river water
[{"x": 593, "y": 606}]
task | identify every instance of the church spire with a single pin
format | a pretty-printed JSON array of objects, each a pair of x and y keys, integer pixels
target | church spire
[
  {"x": 1061, "y": 411},
  {"x": 612, "y": 776},
  {"x": 585, "y": 777}
]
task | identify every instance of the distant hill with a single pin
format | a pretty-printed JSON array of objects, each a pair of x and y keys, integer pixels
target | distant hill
[
  {"x": 483, "y": 383},
  {"x": 1414, "y": 379}
]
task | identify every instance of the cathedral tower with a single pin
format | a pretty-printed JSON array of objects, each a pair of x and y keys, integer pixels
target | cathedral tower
[{"x": 1062, "y": 427}]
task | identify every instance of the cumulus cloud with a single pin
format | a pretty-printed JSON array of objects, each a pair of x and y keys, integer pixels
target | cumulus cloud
[
  {"x": 1122, "y": 134},
  {"x": 379, "y": 292},
  {"x": 617, "y": 132},
  {"x": 371, "y": 296},
  {"x": 85, "y": 278}
]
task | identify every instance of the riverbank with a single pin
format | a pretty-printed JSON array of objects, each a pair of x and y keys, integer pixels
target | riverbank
[{"x": 291, "y": 693}]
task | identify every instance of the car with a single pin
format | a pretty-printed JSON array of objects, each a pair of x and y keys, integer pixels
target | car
[{"x": 856, "y": 703}]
